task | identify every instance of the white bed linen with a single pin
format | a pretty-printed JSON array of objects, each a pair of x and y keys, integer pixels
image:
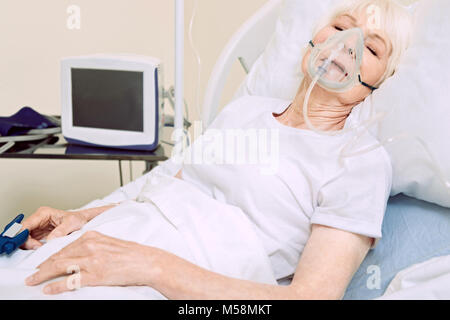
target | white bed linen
[
  {"x": 429, "y": 280},
  {"x": 170, "y": 214}
]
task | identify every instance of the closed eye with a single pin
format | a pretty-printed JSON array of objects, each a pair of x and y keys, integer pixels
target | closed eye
[
  {"x": 372, "y": 51},
  {"x": 338, "y": 28}
]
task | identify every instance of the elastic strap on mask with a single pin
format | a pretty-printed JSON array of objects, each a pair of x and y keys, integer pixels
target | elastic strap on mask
[{"x": 365, "y": 84}]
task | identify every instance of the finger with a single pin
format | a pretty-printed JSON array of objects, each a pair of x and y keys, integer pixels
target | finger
[
  {"x": 54, "y": 268},
  {"x": 57, "y": 287},
  {"x": 37, "y": 220},
  {"x": 39, "y": 234},
  {"x": 31, "y": 244},
  {"x": 33, "y": 240},
  {"x": 69, "y": 283},
  {"x": 22, "y": 237},
  {"x": 31, "y": 224},
  {"x": 60, "y": 231}
]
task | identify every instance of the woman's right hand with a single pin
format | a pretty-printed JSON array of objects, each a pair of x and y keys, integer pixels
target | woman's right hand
[{"x": 51, "y": 223}]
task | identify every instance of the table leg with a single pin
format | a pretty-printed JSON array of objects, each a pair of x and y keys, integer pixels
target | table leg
[
  {"x": 131, "y": 170},
  {"x": 149, "y": 166},
  {"x": 120, "y": 173}
]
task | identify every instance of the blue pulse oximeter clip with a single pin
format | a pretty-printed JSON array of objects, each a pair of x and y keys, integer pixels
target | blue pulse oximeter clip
[{"x": 9, "y": 239}]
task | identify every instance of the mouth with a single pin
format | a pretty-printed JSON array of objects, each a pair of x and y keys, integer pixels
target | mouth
[{"x": 338, "y": 65}]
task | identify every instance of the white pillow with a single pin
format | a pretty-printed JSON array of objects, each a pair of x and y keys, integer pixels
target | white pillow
[
  {"x": 417, "y": 95},
  {"x": 419, "y": 98},
  {"x": 277, "y": 72}
]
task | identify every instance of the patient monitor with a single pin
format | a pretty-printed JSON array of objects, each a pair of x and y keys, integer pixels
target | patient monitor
[{"x": 112, "y": 101}]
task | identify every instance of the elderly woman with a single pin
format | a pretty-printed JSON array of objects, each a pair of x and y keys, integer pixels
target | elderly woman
[{"x": 316, "y": 218}]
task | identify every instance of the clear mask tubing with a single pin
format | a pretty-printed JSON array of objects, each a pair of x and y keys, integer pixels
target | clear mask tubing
[
  {"x": 198, "y": 59},
  {"x": 335, "y": 66}
]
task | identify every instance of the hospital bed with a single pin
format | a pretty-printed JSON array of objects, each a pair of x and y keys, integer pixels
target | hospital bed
[{"x": 414, "y": 253}]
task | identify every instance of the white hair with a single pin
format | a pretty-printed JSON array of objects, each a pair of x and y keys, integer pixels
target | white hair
[{"x": 395, "y": 20}]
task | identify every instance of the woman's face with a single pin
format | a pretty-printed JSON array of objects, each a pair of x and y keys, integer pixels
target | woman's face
[{"x": 377, "y": 49}]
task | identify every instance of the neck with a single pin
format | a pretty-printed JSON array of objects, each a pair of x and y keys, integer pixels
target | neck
[{"x": 325, "y": 112}]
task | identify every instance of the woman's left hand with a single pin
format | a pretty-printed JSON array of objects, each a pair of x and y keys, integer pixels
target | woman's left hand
[{"x": 95, "y": 260}]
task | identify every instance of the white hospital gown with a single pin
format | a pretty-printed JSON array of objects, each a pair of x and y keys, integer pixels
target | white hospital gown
[{"x": 296, "y": 180}]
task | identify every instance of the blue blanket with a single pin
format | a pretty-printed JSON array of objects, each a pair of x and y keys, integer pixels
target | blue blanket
[{"x": 413, "y": 231}]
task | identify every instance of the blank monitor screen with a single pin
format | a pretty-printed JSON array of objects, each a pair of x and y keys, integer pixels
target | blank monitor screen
[{"x": 108, "y": 99}]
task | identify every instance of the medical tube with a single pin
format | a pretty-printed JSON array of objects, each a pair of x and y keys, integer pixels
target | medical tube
[
  {"x": 198, "y": 59},
  {"x": 434, "y": 164},
  {"x": 366, "y": 125}
]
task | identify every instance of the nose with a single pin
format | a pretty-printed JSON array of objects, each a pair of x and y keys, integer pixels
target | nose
[{"x": 349, "y": 50}]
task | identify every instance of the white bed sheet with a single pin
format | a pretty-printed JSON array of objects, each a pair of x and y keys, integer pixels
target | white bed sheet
[
  {"x": 429, "y": 280},
  {"x": 169, "y": 214}
]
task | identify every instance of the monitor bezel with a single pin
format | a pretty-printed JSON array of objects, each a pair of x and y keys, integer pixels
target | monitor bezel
[{"x": 111, "y": 137}]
